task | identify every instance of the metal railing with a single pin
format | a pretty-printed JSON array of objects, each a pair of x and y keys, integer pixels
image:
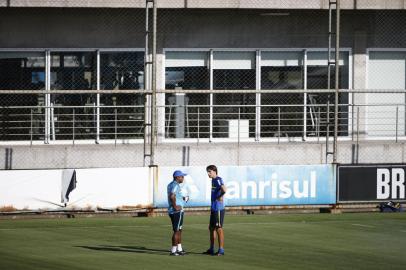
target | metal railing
[
  {"x": 237, "y": 123},
  {"x": 71, "y": 123}
]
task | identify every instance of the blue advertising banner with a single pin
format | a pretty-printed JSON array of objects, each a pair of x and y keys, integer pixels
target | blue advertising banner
[{"x": 254, "y": 185}]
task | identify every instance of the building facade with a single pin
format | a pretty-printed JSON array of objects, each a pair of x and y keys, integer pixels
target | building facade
[{"x": 243, "y": 79}]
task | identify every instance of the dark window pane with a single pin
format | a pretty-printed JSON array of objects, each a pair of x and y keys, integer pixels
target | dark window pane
[
  {"x": 231, "y": 107},
  {"x": 73, "y": 114},
  {"x": 319, "y": 104},
  {"x": 282, "y": 114},
  {"x": 234, "y": 79},
  {"x": 22, "y": 71},
  {"x": 185, "y": 117},
  {"x": 120, "y": 71}
]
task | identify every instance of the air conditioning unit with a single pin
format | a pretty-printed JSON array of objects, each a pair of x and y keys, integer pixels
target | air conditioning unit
[{"x": 233, "y": 128}]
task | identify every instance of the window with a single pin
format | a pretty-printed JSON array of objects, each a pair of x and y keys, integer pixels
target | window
[
  {"x": 320, "y": 104},
  {"x": 386, "y": 70},
  {"x": 234, "y": 70},
  {"x": 73, "y": 71},
  {"x": 21, "y": 71},
  {"x": 282, "y": 114},
  {"x": 73, "y": 115},
  {"x": 183, "y": 117},
  {"x": 121, "y": 71}
]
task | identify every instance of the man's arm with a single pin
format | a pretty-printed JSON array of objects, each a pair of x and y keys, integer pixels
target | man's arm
[
  {"x": 222, "y": 192},
  {"x": 172, "y": 197}
]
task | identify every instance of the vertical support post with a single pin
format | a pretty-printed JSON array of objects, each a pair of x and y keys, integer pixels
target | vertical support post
[
  {"x": 52, "y": 116},
  {"x": 337, "y": 81},
  {"x": 352, "y": 122},
  {"x": 211, "y": 63},
  {"x": 327, "y": 130},
  {"x": 98, "y": 98},
  {"x": 115, "y": 127},
  {"x": 47, "y": 97},
  {"x": 239, "y": 118},
  {"x": 146, "y": 83},
  {"x": 397, "y": 122},
  {"x": 154, "y": 90},
  {"x": 305, "y": 95},
  {"x": 31, "y": 127},
  {"x": 318, "y": 124},
  {"x": 357, "y": 135},
  {"x": 258, "y": 97},
  {"x": 279, "y": 124},
  {"x": 330, "y": 33},
  {"x": 198, "y": 124},
  {"x": 73, "y": 126}
]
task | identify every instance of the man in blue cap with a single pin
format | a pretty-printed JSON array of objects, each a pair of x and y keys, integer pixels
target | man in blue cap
[{"x": 176, "y": 203}]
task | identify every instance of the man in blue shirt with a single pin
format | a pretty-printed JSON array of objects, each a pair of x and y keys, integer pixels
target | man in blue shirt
[
  {"x": 217, "y": 211},
  {"x": 176, "y": 203}
]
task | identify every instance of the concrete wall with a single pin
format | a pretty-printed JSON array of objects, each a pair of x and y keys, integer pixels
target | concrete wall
[
  {"x": 260, "y": 153},
  {"x": 240, "y": 4}
]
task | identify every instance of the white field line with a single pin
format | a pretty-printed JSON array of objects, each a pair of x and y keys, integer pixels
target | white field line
[
  {"x": 363, "y": 225},
  {"x": 169, "y": 225}
]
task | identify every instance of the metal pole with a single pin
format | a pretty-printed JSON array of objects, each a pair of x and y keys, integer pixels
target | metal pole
[
  {"x": 169, "y": 121},
  {"x": 318, "y": 124},
  {"x": 239, "y": 117},
  {"x": 279, "y": 124},
  {"x": 357, "y": 135},
  {"x": 115, "y": 127},
  {"x": 98, "y": 99},
  {"x": 397, "y": 119},
  {"x": 31, "y": 127},
  {"x": 146, "y": 82},
  {"x": 153, "y": 99},
  {"x": 329, "y": 46},
  {"x": 337, "y": 85},
  {"x": 198, "y": 124},
  {"x": 352, "y": 122},
  {"x": 52, "y": 121},
  {"x": 258, "y": 97},
  {"x": 47, "y": 96},
  {"x": 357, "y": 125},
  {"x": 305, "y": 95},
  {"x": 187, "y": 121},
  {"x": 211, "y": 102},
  {"x": 73, "y": 126},
  {"x": 328, "y": 130}
]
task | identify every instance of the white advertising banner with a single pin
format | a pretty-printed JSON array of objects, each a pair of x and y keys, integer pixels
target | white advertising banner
[{"x": 90, "y": 188}]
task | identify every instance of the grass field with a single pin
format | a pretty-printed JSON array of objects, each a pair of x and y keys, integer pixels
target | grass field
[{"x": 299, "y": 241}]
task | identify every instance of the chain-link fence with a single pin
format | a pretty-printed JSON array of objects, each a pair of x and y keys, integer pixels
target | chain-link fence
[{"x": 237, "y": 82}]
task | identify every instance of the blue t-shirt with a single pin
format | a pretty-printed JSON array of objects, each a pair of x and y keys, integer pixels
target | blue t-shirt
[
  {"x": 175, "y": 188},
  {"x": 216, "y": 184}
]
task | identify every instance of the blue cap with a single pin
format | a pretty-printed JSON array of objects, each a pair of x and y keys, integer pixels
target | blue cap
[{"x": 178, "y": 173}]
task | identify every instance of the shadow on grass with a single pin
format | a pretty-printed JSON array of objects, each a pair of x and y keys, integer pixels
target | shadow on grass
[{"x": 132, "y": 249}]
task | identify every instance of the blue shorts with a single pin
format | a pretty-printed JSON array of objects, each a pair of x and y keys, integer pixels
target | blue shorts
[
  {"x": 177, "y": 221},
  {"x": 217, "y": 219}
]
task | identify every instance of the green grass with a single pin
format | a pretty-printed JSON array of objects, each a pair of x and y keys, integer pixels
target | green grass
[{"x": 299, "y": 241}]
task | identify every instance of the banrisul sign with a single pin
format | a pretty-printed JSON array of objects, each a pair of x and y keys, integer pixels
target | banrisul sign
[
  {"x": 255, "y": 185},
  {"x": 371, "y": 182}
]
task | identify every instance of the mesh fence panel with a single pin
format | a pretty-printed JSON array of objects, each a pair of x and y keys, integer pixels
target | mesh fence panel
[{"x": 230, "y": 74}]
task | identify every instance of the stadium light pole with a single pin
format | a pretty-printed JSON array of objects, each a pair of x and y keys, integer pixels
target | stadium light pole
[
  {"x": 153, "y": 98},
  {"x": 337, "y": 89}
]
